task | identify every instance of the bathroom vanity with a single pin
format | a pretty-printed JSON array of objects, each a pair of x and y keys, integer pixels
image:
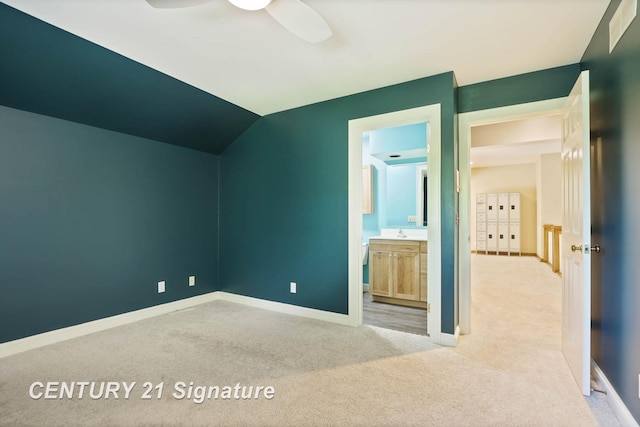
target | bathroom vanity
[{"x": 398, "y": 270}]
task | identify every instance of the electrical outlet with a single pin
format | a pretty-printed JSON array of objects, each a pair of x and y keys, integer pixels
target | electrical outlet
[
  {"x": 192, "y": 280},
  {"x": 293, "y": 287},
  {"x": 161, "y": 287},
  {"x": 412, "y": 219}
]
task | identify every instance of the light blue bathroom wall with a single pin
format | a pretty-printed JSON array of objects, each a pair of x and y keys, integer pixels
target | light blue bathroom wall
[
  {"x": 401, "y": 195},
  {"x": 394, "y": 186},
  {"x": 399, "y": 138}
]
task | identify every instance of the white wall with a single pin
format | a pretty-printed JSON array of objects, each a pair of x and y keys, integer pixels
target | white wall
[
  {"x": 549, "y": 181},
  {"x": 517, "y": 131},
  {"x": 513, "y": 178}
]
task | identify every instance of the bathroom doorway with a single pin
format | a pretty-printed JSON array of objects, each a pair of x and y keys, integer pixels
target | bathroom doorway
[
  {"x": 357, "y": 128},
  {"x": 394, "y": 172}
]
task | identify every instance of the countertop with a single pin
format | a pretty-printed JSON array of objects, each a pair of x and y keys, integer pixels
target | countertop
[{"x": 419, "y": 234}]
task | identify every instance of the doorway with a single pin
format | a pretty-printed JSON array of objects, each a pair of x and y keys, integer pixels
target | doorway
[
  {"x": 431, "y": 115},
  {"x": 394, "y": 270},
  {"x": 466, "y": 122}
]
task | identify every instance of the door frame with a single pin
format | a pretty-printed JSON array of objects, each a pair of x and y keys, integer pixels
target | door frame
[
  {"x": 465, "y": 122},
  {"x": 432, "y": 115}
]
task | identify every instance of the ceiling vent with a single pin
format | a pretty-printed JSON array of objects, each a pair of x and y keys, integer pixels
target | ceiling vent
[{"x": 626, "y": 12}]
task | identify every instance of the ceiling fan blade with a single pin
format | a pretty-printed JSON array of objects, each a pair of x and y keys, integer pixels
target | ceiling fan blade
[
  {"x": 176, "y": 4},
  {"x": 300, "y": 19}
]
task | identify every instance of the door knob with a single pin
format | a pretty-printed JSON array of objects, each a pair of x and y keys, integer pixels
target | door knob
[{"x": 594, "y": 248}]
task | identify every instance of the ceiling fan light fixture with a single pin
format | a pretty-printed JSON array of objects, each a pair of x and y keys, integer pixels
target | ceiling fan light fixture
[{"x": 250, "y": 4}]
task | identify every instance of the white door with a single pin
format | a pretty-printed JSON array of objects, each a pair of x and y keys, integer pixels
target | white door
[{"x": 576, "y": 234}]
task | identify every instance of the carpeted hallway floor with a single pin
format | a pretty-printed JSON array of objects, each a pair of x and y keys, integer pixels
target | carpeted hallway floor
[{"x": 509, "y": 371}]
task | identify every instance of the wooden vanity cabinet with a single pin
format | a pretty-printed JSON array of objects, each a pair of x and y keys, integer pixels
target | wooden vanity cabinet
[
  {"x": 398, "y": 271},
  {"x": 423, "y": 271}
]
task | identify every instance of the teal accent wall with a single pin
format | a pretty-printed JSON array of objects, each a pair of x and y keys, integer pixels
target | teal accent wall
[
  {"x": 453, "y": 298},
  {"x": 615, "y": 203},
  {"x": 49, "y": 71},
  {"x": 284, "y": 197},
  {"x": 92, "y": 219},
  {"x": 530, "y": 87}
]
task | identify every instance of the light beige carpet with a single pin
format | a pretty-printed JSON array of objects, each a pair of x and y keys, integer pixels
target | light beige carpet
[{"x": 509, "y": 371}]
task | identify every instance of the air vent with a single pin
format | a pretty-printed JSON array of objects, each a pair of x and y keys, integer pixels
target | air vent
[{"x": 626, "y": 12}]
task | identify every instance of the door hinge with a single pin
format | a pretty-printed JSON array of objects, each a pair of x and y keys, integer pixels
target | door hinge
[{"x": 428, "y": 308}]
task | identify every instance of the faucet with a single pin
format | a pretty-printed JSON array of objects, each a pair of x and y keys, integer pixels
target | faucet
[{"x": 401, "y": 233}]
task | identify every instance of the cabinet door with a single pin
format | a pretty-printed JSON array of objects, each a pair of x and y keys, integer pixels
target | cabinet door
[
  {"x": 514, "y": 237},
  {"x": 492, "y": 238},
  {"x": 406, "y": 274},
  {"x": 503, "y": 206},
  {"x": 503, "y": 236},
  {"x": 514, "y": 207},
  {"x": 367, "y": 189},
  {"x": 380, "y": 273},
  {"x": 492, "y": 207},
  {"x": 423, "y": 271}
]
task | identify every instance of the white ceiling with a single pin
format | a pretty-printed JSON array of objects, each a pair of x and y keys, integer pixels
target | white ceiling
[
  {"x": 515, "y": 142},
  {"x": 248, "y": 59}
]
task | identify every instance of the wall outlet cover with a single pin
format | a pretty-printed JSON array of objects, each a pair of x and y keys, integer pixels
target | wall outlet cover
[
  {"x": 192, "y": 280},
  {"x": 293, "y": 287},
  {"x": 161, "y": 287}
]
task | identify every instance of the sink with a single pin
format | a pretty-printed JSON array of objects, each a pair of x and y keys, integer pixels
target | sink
[{"x": 407, "y": 234}]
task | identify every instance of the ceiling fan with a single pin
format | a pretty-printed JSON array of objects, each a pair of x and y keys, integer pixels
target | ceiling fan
[{"x": 294, "y": 15}]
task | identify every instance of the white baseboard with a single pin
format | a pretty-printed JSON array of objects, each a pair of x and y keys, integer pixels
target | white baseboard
[
  {"x": 59, "y": 335},
  {"x": 280, "y": 307},
  {"x": 615, "y": 402}
]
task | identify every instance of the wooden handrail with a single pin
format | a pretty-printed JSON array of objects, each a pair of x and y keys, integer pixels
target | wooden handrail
[{"x": 556, "y": 232}]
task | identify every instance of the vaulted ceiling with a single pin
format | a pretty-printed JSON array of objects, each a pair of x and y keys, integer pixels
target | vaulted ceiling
[{"x": 199, "y": 76}]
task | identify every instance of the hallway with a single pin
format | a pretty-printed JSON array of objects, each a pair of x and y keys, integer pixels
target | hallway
[{"x": 516, "y": 317}]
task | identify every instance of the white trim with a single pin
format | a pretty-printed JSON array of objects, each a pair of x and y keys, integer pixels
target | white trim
[
  {"x": 432, "y": 115},
  {"x": 59, "y": 335},
  {"x": 450, "y": 340},
  {"x": 465, "y": 122},
  {"x": 280, "y": 307},
  {"x": 616, "y": 404}
]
